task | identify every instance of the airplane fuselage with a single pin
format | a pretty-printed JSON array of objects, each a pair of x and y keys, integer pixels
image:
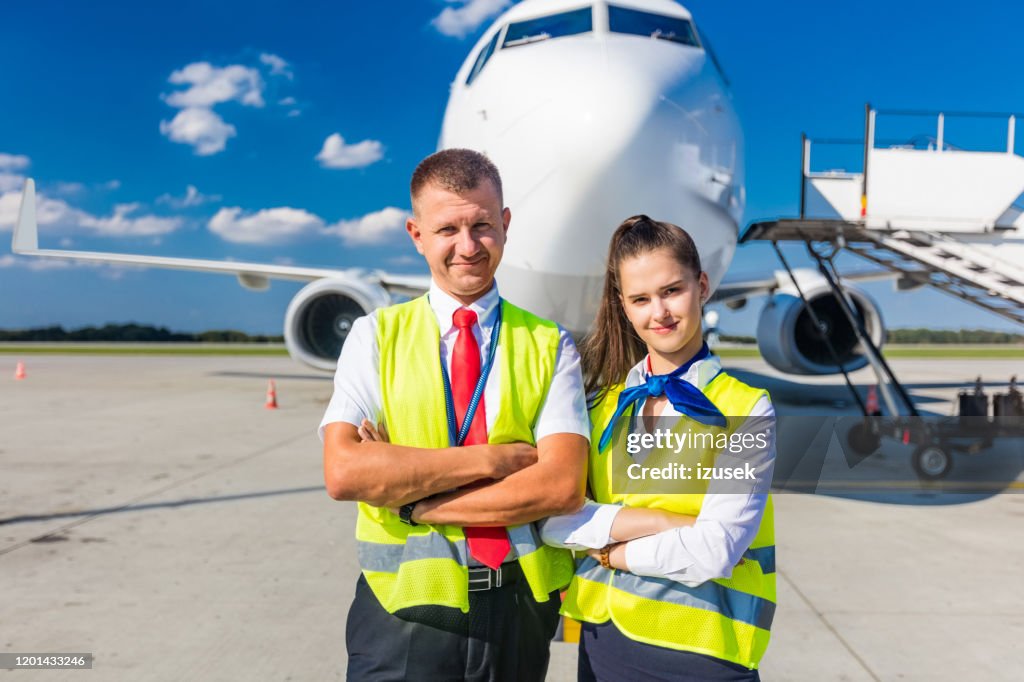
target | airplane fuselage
[{"x": 590, "y": 128}]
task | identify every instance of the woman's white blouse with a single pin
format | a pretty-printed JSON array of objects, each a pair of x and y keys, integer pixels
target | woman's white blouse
[{"x": 725, "y": 527}]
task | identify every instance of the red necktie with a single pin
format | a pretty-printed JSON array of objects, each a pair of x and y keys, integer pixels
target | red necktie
[{"x": 488, "y": 545}]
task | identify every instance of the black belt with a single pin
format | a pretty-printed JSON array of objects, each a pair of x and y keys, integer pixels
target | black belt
[{"x": 484, "y": 578}]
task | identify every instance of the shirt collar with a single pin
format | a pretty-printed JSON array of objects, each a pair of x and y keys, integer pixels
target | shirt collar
[
  {"x": 444, "y": 306},
  {"x": 700, "y": 373}
]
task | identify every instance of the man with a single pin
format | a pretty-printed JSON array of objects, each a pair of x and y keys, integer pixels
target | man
[{"x": 456, "y": 583}]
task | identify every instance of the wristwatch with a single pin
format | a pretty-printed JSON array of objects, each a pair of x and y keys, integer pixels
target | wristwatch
[
  {"x": 603, "y": 557},
  {"x": 405, "y": 514}
]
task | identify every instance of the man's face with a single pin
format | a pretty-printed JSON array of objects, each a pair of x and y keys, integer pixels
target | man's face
[{"x": 462, "y": 236}]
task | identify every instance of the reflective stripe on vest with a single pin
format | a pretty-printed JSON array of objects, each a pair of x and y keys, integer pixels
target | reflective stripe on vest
[
  {"x": 727, "y": 618},
  {"x": 709, "y": 596},
  {"x": 415, "y": 565},
  {"x": 765, "y": 556},
  {"x": 388, "y": 558}
]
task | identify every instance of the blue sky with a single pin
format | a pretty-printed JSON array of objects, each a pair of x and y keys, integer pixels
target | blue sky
[{"x": 286, "y": 132}]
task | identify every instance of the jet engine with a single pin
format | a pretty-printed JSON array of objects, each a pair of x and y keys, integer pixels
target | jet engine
[
  {"x": 786, "y": 334},
  {"x": 321, "y": 315}
]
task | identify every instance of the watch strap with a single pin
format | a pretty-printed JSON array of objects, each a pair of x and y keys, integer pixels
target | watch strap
[{"x": 405, "y": 514}]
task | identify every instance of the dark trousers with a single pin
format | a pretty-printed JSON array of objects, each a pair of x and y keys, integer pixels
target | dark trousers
[
  {"x": 506, "y": 636},
  {"x": 607, "y": 655}
]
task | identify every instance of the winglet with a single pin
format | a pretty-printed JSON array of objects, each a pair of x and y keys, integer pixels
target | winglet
[{"x": 26, "y": 238}]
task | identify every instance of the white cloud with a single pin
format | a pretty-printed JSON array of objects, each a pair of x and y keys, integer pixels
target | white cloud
[
  {"x": 120, "y": 224},
  {"x": 462, "y": 20},
  {"x": 201, "y": 128},
  {"x": 13, "y": 162},
  {"x": 336, "y": 154},
  {"x": 268, "y": 226},
  {"x": 285, "y": 224},
  {"x": 404, "y": 260},
  {"x": 10, "y": 182},
  {"x": 206, "y": 86},
  {"x": 278, "y": 66},
  {"x": 72, "y": 189},
  {"x": 38, "y": 264},
  {"x": 49, "y": 212},
  {"x": 67, "y": 188},
  {"x": 9, "y": 260},
  {"x": 210, "y": 85},
  {"x": 373, "y": 228},
  {"x": 193, "y": 197},
  {"x": 58, "y": 216},
  {"x": 290, "y": 102}
]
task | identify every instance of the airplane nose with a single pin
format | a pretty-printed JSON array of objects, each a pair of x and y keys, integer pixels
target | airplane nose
[
  {"x": 618, "y": 136},
  {"x": 593, "y": 134}
]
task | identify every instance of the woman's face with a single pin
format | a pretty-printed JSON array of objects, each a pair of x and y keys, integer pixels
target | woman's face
[{"x": 662, "y": 299}]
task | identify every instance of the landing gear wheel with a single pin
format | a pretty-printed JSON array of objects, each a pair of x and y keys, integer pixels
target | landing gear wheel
[
  {"x": 931, "y": 462},
  {"x": 862, "y": 439}
]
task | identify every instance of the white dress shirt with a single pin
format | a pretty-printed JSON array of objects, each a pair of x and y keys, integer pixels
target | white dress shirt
[
  {"x": 357, "y": 378},
  {"x": 725, "y": 527}
]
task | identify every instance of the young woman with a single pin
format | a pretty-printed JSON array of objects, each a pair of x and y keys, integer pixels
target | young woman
[{"x": 673, "y": 585}]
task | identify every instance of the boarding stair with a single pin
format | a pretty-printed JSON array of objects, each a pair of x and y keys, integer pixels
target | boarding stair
[{"x": 927, "y": 212}]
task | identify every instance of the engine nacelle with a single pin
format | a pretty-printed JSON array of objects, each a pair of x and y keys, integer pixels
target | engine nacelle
[
  {"x": 320, "y": 317},
  {"x": 789, "y": 342}
]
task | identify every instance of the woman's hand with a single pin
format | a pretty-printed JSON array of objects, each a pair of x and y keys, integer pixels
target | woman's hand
[{"x": 637, "y": 522}]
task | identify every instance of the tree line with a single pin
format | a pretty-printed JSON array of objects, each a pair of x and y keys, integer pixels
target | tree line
[
  {"x": 926, "y": 336},
  {"x": 138, "y": 333},
  {"x": 135, "y": 333},
  {"x": 921, "y": 335}
]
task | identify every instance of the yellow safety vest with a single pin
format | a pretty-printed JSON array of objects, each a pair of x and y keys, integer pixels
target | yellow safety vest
[
  {"x": 725, "y": 618},
  {"x": 415, "y": 565}
]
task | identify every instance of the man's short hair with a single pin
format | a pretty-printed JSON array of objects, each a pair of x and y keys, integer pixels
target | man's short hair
[{"x": 455, "y": 170}]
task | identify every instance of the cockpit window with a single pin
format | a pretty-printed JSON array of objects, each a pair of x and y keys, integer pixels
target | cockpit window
[
  {"x": 635, "y": 22},
  {"x": 481, "y": 59},
  {"x": 554, "y": 26}
]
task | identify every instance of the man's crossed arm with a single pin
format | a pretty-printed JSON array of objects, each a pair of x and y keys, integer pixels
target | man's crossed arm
[{"x": 530, "y": 483}]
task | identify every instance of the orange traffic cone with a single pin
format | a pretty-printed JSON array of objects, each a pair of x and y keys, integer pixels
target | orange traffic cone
[
  {"x": 19, "y": 371},
  {"x": 271, "y": 403},
  {"x": 872, "y": 403}
]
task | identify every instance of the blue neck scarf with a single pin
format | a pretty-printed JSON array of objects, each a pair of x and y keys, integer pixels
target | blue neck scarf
[{"x": 685, "y": 397}]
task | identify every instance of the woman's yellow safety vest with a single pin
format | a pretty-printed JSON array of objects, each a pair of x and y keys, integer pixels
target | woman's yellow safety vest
[
  {"x": 415, "y": 565},
  {"x": 726, "y": 618}
]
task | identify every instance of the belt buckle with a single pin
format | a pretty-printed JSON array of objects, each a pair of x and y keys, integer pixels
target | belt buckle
[{"x": 491, "y": 578}]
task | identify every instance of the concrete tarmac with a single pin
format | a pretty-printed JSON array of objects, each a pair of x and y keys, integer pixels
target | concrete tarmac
[{"x": 153, "y": 513}]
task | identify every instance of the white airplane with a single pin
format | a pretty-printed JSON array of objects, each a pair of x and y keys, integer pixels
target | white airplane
[{"x": 593, "y": 112}]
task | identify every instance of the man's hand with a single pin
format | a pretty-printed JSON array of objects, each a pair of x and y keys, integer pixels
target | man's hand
[
  {"x": 368, "y": 431},
  {"x": 553, "y": 485},
  {"x": 509, "y": 458},
  {"x": 503, "y": 459},
  {"x": 360, "y": 464}
]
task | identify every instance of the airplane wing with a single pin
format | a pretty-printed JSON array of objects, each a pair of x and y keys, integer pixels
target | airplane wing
[
  {"x": 734, "y": 291},
  {"x": 254, "y": 276}
]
